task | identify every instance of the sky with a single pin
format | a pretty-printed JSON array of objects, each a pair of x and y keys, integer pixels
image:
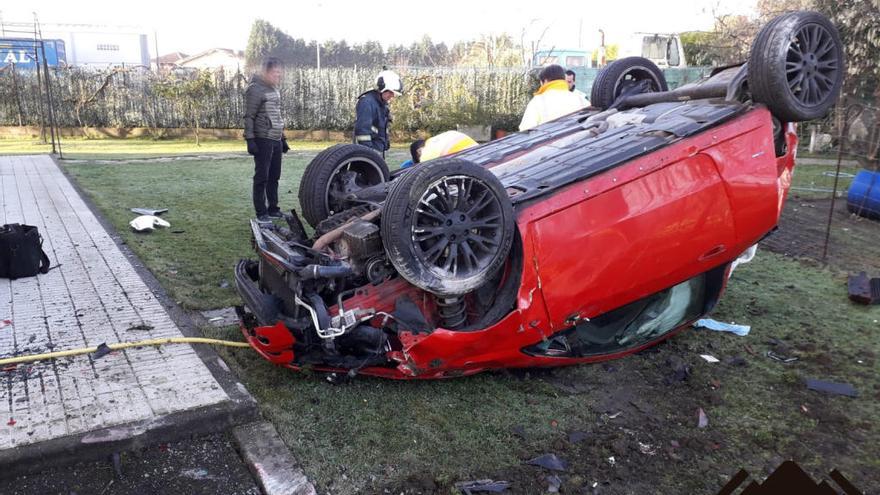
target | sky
[{"x": 194, "y": 26}]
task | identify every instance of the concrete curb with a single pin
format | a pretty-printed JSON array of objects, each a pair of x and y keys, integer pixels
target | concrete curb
[
  {"x": 274, "y": 468},
  {"x": 99, "y": 444}
]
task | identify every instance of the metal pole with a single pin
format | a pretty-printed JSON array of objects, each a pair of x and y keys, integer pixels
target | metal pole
[
  {"x": 580, "y": 33},
  {"x": 49, "y": 99},
  {"x": 156, "y": 44},
  {"x": 40, "y": 90},
  {"x": 842, "y": 140}
]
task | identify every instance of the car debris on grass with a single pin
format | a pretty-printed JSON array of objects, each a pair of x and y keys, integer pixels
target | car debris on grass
[{"x": 834, "y": 388}]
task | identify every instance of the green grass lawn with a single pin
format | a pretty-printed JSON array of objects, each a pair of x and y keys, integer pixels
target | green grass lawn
[
  {"x": 370, "y": 435},
  {"x": 209, "y": 203},
  {"x": 134, "y": 148}
]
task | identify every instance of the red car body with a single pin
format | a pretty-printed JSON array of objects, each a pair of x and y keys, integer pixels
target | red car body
[{"x": 594, "y": 245}]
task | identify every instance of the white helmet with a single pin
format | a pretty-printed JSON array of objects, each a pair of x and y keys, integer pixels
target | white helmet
[{"x": 388, "y": 80}]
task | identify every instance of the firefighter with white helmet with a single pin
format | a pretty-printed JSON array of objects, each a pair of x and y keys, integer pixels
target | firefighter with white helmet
[{"x": 373, "y": 115}]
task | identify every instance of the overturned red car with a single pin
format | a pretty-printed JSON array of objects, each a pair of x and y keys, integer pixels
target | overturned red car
[{"x": 587, "y": 238}]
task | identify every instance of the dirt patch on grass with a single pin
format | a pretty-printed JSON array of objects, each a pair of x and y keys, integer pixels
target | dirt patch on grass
[{"x": 852, "y": 245}]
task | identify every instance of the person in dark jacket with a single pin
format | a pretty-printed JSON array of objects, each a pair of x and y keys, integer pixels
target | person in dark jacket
[
  {"x": 373, "y": 115},
  {"x": 264, "y": 133}
]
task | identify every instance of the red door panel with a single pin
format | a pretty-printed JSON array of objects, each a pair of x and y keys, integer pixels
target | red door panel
[
  {"x": 634, "y": 240},
  {"x": 749, "y": 169}
]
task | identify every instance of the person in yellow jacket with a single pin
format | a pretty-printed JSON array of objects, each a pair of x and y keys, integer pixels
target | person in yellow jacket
[
  {"x": 442, "y": 144},
  {"x": 552, "y": 100}
]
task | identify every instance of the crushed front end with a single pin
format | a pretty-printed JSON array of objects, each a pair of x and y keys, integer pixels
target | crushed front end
[{"x": 295, "y": 314}]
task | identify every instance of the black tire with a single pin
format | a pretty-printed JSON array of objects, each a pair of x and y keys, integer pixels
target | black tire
[
  {"x": 622, "y": 75},
  {"x": 796, "y": 66},
  {"x": 447, "y": 226},
  {"x": 323, "y": 184}
]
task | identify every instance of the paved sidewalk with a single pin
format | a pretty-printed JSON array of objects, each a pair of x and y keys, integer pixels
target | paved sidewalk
[{"x": 94, "y": 296}]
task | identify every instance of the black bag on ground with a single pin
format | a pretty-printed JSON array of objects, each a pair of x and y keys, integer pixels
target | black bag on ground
[{"x": 21, "y": 252}]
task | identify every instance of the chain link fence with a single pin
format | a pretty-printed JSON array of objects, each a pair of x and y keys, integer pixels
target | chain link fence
[{"x": 833, "y": 211}]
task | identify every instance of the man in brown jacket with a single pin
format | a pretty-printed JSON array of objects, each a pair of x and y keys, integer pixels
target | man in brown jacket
[{"x": 264, "y": 133}]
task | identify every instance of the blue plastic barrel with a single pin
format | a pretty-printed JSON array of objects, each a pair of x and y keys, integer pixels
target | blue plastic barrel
[{"x": 863, "y": 197}]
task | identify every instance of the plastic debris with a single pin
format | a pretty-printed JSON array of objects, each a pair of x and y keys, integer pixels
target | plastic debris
[
  {"x": 140, "y": 326},
  {"x": 703, "y": 420},
  {"x": 781, "y": 358},
  {"x": 718, "y": 326},
  {"x": 709, "y": 358},
  {"x": 549, "y": 461},
  {"x": 554, "y": 483},
  {"x": 482, "y": 486},
  {"x": 149, "y": 211},
  {"x": 831, "y": 387},
  {"x": 197, "y": 474},
  {"x": 747, "y": 256},
  {"x": 647, "y": 449},
  {"x": 5, "y": 323},
  {"x": 146, "y": 223},
  {"x": 612, "y": 461},
  {"x": 11, "y": 422},
  {"x": 101, "y": 351}
]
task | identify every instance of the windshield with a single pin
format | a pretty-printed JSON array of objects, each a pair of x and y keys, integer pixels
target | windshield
[{"x": 654, "y": 47}]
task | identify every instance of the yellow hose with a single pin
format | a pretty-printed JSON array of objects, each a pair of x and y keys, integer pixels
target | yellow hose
[{"x": 122, "y": 345}]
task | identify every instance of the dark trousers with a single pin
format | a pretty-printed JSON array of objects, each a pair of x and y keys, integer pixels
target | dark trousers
[{"x": 267, "y": 171}]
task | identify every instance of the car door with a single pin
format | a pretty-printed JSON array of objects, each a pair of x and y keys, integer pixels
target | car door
[{"x": 633, "y": 239}]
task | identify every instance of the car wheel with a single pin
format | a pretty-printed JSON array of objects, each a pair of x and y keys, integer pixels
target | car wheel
[
  {"x": 796, "y": 66},
  {"x": 334, "y": 174},
  {"x": 447, "y": 226},
  {"x": 630, "y": 75}
]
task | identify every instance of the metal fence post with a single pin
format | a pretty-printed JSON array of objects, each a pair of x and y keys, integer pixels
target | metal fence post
[
  {"x": 841, "y": 147},
  {"x": 49, "y": 100}
]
